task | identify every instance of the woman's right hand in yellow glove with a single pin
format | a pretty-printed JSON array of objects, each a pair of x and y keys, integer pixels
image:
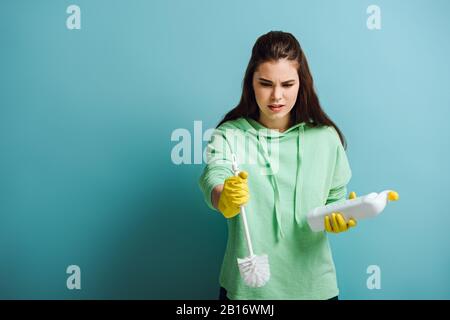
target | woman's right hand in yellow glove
[{"x": 234, "y": 194}]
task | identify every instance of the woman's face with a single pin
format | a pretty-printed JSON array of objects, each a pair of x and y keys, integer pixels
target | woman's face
[{"x": 276, "y": 86}]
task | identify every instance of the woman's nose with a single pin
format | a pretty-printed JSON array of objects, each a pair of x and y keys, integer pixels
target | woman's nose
[{"x": 277, "y": 94}]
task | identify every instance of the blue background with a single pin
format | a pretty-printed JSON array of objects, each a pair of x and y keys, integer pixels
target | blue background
[{"x": 86, "y": 118}]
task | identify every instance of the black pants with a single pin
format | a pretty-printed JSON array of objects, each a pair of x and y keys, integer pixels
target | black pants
[{"x": 223, "y": 295}]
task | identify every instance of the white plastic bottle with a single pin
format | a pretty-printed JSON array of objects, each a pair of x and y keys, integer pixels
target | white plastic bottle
[{"x": 366, "y": 206}]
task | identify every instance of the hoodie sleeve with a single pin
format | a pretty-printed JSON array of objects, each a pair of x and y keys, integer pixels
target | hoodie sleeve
[
  {"x": 218, "y": 165},
  {"x": 341, "y": 174}
]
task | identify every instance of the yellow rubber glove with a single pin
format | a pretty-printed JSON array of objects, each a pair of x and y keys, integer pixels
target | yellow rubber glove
[
  {"x": 336, "y": 223},
  {"x": 234, "y": 194}
]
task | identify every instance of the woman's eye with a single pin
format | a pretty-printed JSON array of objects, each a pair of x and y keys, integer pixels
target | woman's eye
[{"x": 269, "y": 85}]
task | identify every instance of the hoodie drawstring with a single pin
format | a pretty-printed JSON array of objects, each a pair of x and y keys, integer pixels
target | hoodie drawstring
[
  {"x": 299, "y": 177},
  {"x": 274, "y": 182}
]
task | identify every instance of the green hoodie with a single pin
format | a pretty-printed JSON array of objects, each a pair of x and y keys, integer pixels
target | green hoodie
[{"x": 290, "y": 173}]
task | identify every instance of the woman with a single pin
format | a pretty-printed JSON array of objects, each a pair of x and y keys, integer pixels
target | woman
[{"x": 293, "y": 160}]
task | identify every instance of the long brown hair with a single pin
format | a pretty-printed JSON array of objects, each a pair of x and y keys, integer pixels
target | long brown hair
[{"x": 273, "y": 46}]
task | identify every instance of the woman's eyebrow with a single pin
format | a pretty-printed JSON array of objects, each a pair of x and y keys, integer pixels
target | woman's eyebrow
[{"x": 284, "y": 82}]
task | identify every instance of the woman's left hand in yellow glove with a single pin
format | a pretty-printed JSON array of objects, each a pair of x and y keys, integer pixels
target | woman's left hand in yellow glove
[{"x": 336, "y": 223}]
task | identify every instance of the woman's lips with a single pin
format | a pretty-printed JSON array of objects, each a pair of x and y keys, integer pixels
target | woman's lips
[{"x": 276, "y": 107}]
